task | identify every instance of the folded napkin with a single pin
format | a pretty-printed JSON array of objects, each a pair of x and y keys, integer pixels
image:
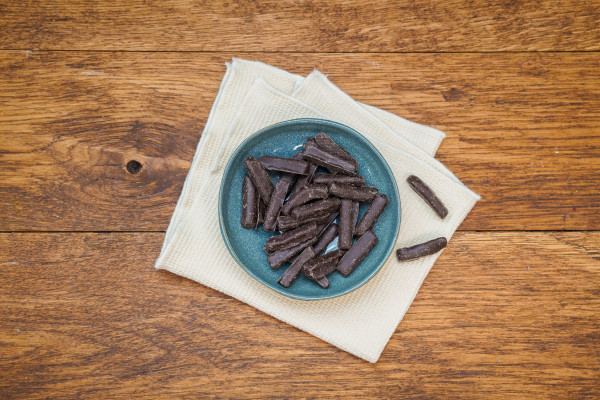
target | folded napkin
[{"x": 254, "y": 95}]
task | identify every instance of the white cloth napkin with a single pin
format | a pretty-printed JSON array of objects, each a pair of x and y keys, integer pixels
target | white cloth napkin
[{"x": 254, "y": 95}]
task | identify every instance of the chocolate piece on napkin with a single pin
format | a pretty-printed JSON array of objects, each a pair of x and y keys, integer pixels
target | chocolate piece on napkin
[
  {"x": 421, "y": 250},
  {"x": 428, "y": 195}
]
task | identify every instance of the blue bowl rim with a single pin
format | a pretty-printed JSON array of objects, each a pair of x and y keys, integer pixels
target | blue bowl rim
[{"x": 225, "y": 236}]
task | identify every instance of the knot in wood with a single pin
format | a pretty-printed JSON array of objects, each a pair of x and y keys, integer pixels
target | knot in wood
[{"x": 134, "y": 167}]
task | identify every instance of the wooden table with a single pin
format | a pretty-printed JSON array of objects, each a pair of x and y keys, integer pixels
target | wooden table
[{"x": 510, "y": 310}]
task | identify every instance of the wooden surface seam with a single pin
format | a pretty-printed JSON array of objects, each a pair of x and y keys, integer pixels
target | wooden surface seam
[{"x": 315, "y": 25}]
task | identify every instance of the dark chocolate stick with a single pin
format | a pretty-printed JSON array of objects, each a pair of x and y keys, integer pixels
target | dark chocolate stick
[
  {"x": 291, "y": 178},
  {"x": 355, "y": 212},
  {"x": 289, "y": 165},
  {"x": 318, "y": 207},
  {"x": 372, "y": 214},
  {"x": 421, "y": 250},
  {"x": 346, "y": 228},
  {"x": 363, "y": 193},
  {"x": 304, "y": 195},
  {"x": 331, "y": 162},
  {"x": 249, "y": 204},
  {"x": 286, "y": 223},
  {"x": 260, "y": 178},
  {"x": 262, "y": 208},
  {"x": 310, "y": 142},
  {"x": 322, "y": 265},
  {"x": 324, "y": 225},
  {"x": 321, "y": 228},
  {"x": 329, "y": 145},
  {"x": 353, "y": 257},
  {"x": 280, "y": 257},
  {"x": 290, "y": 275},
  {"x": 320, "y": 260},
  {"x": 277, "y": 199},
  {"x": 427, "y": 194},
  {"x": 304, "y": 180},
  {"x": 354, "y": 180},
  {"x": 291, "y": 238},
  {"x": 323, "y": 282},
  {"x": 326, "y": 237}
]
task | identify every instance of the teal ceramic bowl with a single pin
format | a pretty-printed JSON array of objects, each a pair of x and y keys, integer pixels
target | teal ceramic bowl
[{"x": 284, "y": 140}]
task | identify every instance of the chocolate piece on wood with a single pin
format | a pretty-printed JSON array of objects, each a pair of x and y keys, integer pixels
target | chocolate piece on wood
[
  {"x": 359, "y": 250},
  {"x": 421, "y": 250},
  {"x": 249, "y": 204},
  {"x": 363, "y": 193},
  {"x": 303, "y": 196},
  {"x": 372, "y": 214},
  {"x": 327, "y": 160},
  {"x": 277, "y": 258},
  {"x": 326, "y": 237},
  {"x": 288, "y": 165},
  {"x": 320, "y": 207},
  {"x": 354, "y": 180},
  {"x": 346, "y": 228},
  {"x": 277, "y": 199},
  {"x": 290, "y": 275},
  {"x": 260, "y": 178},
  {"x": 428, "y": 195},
  {"x": 291, "y": 238},
  {"x": 329, "y": 145}
]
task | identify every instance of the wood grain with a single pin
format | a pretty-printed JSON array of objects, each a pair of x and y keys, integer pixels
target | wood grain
[
  {"x": 501, "y": 315},
  {"x": 516, "y": 87},
  {"x": 523, "y": 130},
  {"x": 314, "y": 26}
]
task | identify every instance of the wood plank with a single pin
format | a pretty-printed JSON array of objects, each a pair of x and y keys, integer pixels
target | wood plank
[
  {"x": 315, "y": 26},
  {"x": 501, "y": 315},
  {"x": 523, "y": 130}
]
